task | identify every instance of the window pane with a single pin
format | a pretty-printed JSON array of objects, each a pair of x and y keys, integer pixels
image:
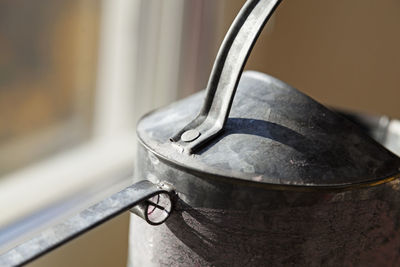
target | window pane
[{"x": 48, "y": 52}]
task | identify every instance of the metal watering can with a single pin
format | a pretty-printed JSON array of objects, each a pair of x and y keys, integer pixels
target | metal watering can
[{"x": 258, "y": 175}]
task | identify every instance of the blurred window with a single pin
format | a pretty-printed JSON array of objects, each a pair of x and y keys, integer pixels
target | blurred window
[
  {"x": 75, "y": 76},
  {"x": 66, "y": 128},
  {"x": 48, "y": 53}
]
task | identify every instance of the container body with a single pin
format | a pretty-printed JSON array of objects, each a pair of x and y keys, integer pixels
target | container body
[{"x": 223, "y": 222}]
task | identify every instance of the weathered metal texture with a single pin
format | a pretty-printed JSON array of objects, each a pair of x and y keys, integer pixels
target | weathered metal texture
[
  {"x": 86, "y": 220},
  {"x": 274, "y": 135},
  {"x": 229, "y": 223}
]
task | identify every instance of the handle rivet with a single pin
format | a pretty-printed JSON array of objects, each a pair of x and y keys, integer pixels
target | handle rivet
[{"x": 190, "y": 135}]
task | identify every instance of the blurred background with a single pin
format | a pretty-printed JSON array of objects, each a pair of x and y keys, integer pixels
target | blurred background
[{"x": 75, "y": 76}]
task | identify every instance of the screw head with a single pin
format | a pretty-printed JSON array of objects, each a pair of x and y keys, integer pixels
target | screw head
[{"x": 190, "y": 135}]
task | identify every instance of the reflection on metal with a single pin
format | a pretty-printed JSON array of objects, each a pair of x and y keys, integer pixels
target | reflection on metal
[{"x": 86, "y": 220}]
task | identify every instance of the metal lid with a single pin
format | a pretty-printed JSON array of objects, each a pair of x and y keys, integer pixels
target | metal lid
[
  {"x": 268, "y": 132},
  {"x": 274, "y": 135}
]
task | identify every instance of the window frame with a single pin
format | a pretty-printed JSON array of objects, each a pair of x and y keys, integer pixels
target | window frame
[
  {"x": 142, "y": 55},
  {"x": 30, "y": 196}
]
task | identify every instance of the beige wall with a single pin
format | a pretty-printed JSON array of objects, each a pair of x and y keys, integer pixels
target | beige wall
[{"x": 342, "y": 53}]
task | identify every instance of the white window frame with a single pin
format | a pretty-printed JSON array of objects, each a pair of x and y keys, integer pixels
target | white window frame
[
  {"x": 105, "y": 160},
  {"x": 37, "y": 196}
]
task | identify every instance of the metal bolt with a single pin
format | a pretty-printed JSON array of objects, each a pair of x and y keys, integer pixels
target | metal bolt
[
  {"x": 155, "y": 210},
  {"x": 190, "y": 135}
]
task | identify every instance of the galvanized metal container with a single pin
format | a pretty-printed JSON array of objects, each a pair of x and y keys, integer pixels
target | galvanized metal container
[{"x": 264, "y": 175}]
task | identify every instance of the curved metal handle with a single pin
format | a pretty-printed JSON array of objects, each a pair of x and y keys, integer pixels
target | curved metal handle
[
  {"x": 138, "y": 194},
  {"x": 225, "y": 74}
]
